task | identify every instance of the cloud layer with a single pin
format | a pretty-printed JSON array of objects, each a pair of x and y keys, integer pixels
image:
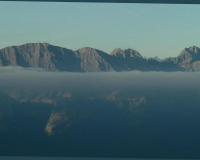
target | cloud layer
[{"x": 135, "y": 81}]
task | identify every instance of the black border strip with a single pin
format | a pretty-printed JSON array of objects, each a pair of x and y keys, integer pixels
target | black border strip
[{"x": 120, "y": 1}]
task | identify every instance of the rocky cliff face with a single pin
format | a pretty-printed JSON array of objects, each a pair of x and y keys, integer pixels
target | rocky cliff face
[
  {"x": 128, "y": 53},
  {"x": 54, "y": 58},
  {"x": 41, "y": 55},
  {"x": 188, "y": 59},
  {"x": 93, "y": 60}
]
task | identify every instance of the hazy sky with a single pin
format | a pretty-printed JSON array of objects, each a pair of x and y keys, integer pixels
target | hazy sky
[{"x": 151, "y": 29}]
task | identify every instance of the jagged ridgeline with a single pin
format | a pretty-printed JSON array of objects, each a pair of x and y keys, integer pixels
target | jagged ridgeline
[{"x": 54, "y": 58}]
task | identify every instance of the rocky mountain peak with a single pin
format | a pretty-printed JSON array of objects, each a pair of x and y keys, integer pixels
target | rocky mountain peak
[
  {"x": 190, "y": 54},
  {"x": 188, "y": 59},
  {"x": 194, "y": 49},
  {"x": 35, "y": 45},
  {"x": 117, "y": 52},
  {"x": 132, "y": 53},
  {"x": 125, "y": 53},
  {"x": 86, "y": 50}
]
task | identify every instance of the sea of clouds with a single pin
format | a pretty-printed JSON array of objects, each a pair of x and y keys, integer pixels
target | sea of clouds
[{"x": 37, "y": 78}]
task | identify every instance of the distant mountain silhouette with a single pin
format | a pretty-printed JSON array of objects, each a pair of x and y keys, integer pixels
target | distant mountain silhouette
[
  {"x": 128, "y": 53},
  {"x": 54, "y": 58},
  {"x": 155, "y": 58},
  {"x": 188, "y": 59}
]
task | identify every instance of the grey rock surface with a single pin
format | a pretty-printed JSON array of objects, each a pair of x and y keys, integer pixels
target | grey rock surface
[{"x": 55, "y": 58}]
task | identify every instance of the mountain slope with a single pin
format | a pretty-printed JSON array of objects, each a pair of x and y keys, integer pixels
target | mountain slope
[
  {"x": 188, "y": 59},
  {"x": 54, "y": 58},
  {"x": 41, "y": 55},
  {"x": 92, "y": 60},
  {"x": 113, "y": 124},
  {"x": 131, "y": 60}
]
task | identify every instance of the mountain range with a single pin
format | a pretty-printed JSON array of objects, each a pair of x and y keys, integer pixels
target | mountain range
[{"x": 54, "y": 58}]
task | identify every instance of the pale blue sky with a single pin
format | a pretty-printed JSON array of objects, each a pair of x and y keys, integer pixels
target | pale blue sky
[{"x": 151, "y": 29}]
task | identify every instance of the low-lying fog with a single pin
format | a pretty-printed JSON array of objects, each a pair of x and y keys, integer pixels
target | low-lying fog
[{"x": 35, "y": 78}]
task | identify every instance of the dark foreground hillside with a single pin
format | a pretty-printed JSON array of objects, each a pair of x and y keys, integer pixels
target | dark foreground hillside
[{"x": 150, "y": 124}]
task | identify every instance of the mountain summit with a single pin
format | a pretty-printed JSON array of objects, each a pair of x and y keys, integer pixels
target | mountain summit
[
  {"x": 190, "y": 54},
  {"x": 125, "y": 53},
  {"x": 55, "y": 58},
  {"x": 188, "y": 59}
]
